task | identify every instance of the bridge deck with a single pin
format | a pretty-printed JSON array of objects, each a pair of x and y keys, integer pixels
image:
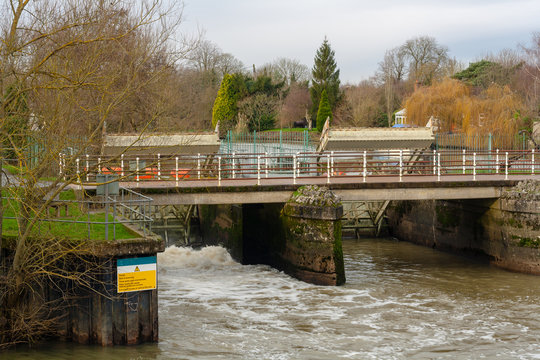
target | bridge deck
[{"x": 276, "y": 190}]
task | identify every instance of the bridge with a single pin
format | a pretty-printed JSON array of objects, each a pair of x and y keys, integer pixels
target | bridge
[{"x": 354, "y": 176}]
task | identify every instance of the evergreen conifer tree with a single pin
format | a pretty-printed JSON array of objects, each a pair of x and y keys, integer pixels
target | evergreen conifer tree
[
  {"x": 324, "y": 111},
  {"x": 325, "y": 76},
  {"x": 225, "y": 108}
]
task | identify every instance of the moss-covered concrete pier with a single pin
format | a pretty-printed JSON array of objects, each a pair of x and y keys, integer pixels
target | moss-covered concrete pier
[{"x": 301, "y": 237}]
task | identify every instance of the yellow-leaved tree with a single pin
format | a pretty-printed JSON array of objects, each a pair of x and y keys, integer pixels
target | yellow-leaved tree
[{"x": 454, "y": 108}]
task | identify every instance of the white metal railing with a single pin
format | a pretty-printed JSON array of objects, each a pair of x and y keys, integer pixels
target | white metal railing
[{"x": 400, "y": 164}]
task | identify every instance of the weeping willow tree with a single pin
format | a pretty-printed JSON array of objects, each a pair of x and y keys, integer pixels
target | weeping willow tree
[{"x": 456, "y": 109}]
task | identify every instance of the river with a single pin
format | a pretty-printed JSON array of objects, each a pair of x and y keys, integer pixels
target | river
[{"x": 401, "y": 301}]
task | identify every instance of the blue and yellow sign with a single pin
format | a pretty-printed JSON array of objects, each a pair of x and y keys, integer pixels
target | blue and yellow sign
[{"x": 135, "y": 274}]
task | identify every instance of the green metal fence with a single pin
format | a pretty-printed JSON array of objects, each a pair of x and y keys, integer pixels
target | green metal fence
[
  {"x": 476, "y": 142},
  {"x": 271, "y": 143}
]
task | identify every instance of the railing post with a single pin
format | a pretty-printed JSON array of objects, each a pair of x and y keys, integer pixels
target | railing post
[
  {"x": 87, "y": 168},
  {"x": 122, "y": 164},
  {"x": 233, "y": 166},
  {"x": 497, "y": 162},
  {"x": 438, "y": 166},
  {"x": 294, "y": 169},
  {"x": 474, "y": 167},
  {"x": 434, "y": 161},
  {"x": 266, "y": 164},
  {"x": 400, "y": 165},
  {"x": 99, "y": 165},
  {"x": 176, "y": 170},
  {"x": 332, "y": 162},
  {"x": 199, "y": 166},
  {"x": 328, "y": 168},
  {"x": 532, "y": 161},
  {"x": 219, "y": 170},
  {"x": 159, "y": 166},
  {"x": 137, "y": 168},
  {"x": 364, "y": 173},
  {"x": 506, "y": 166},
  {"x": 259, "y": 170},
  {"x": 464, "y": 162}
]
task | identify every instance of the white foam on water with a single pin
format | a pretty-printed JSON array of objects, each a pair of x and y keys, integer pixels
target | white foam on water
[{"x": 206, "y": 258}]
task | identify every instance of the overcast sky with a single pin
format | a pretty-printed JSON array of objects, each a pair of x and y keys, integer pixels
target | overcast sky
[{"x": 259, "y": 31}]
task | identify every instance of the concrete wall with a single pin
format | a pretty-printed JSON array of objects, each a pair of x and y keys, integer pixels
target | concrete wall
[
  {"x": 507, "y": 231},
  {"x": 223, "y": 225}
]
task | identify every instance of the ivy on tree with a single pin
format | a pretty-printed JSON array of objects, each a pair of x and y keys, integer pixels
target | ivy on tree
[
  {"x": 324, "y": 111},
  {"x": 325, "y": 76}
]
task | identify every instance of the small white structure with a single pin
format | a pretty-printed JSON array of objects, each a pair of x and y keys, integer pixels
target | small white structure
[{"x": 401, "y": 117}]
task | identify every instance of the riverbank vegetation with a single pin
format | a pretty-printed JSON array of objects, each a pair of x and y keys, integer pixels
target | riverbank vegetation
[{"x": 69, "y": 70}]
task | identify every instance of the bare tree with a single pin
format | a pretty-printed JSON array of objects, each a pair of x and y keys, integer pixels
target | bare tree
[
  {"x": 67, "y": 69},
  {"x": 288, "y": 70},
  {"x": 425, "y": 58}
]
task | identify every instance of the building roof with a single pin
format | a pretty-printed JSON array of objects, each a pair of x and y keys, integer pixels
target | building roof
[{"x": 379, "y": 138}]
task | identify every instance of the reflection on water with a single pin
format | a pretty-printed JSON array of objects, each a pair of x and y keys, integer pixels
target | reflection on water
[{"x": 400, "y": 301}]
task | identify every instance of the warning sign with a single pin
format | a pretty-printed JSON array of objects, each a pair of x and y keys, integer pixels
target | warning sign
[{"x": 137, "y": 274}]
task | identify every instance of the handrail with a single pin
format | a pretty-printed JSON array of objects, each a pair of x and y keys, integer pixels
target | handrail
[{"x": 330, "y": 164}]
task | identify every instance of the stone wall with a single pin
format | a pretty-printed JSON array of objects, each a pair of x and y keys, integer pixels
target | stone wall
[{"x": 506, "y": 230}]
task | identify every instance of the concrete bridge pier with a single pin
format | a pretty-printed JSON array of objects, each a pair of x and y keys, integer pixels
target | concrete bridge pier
[{"x": 301, "y": 237}]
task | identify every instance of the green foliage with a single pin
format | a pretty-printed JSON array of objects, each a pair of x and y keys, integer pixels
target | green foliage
[
  {"x": 324, "y": 111},
  {"x": 484, "y": 73},
  {"x": 263, "y": 85},
  {"x": 260, "y": 110},
  {"x": 325, "y": 76},
  {"x": 225, "y": 108}
]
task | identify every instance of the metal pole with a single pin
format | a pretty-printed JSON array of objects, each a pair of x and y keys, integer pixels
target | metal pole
[
  {"x": 474, "y": 167},
  {"x": 439, "y": 167},
  {"x": 328, "y": 169},
  {"x": 233, "y": 167},
  {"x": 219, "y": 170},
  {"x": 176, "y": 170},
  {"x": 99, "y": 165},
  {"x": 400, "y": 165},
  {"x": 122, "y": 164},
  {"x": 137, "y": 165},
  {"x": 159, "y": 166},
  {"x": 199, "y": 166},
  {"x": 463, "y": 161},
  {"x": 259, "y": 170},
  {"x": 60, "y": 164},
  {"x": 506, "y": 166},
  {"x": 332, "y": 161},
  {"x": 497, "y": 162},
  {"x": 78, "y": 168},
  {"x": 294, "y": 169},
  {"x": 365, "y": 165}
]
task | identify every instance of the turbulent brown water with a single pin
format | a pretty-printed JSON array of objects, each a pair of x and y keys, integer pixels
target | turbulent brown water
[{"x": 401, "y": 301}]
